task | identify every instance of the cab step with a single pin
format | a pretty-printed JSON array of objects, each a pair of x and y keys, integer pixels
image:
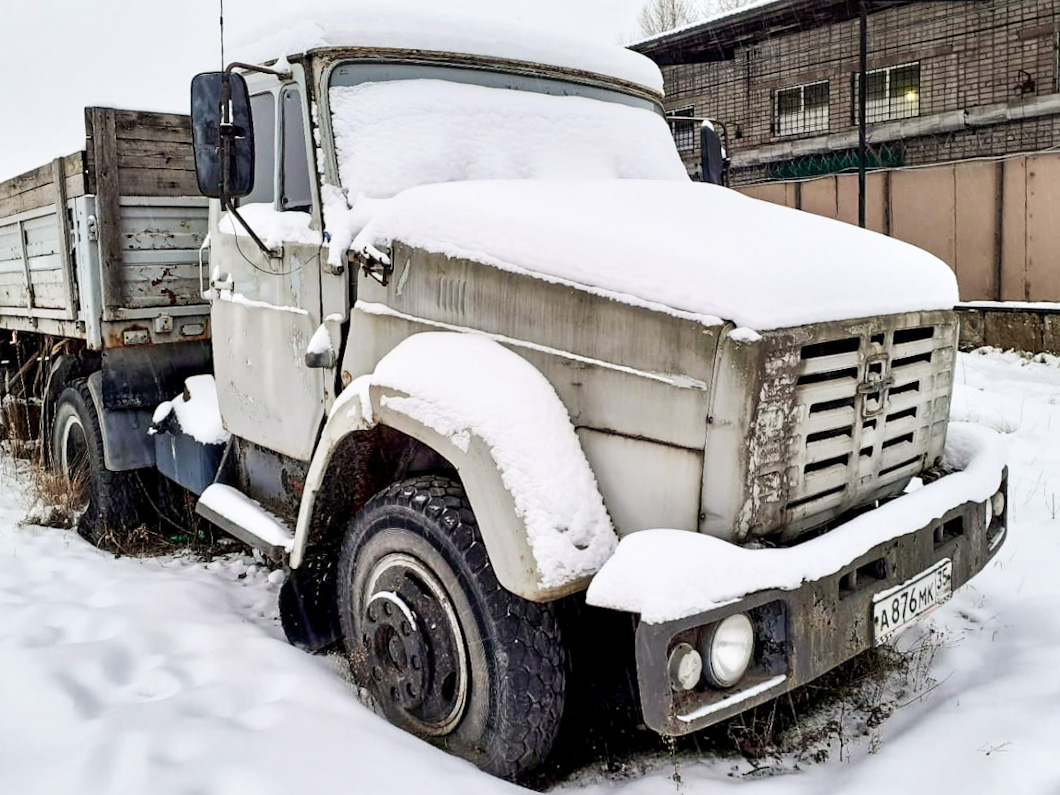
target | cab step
[{"x": 240, "y": 516}]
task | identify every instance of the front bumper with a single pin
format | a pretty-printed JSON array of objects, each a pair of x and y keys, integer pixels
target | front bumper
[{"x": 801, "y": 634}]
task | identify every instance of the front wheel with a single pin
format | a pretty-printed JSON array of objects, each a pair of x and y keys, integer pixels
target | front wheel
[{"x": 445, "y": 651}]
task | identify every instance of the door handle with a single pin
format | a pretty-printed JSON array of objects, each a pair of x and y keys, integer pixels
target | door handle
[{"x": 204, "y": 262}]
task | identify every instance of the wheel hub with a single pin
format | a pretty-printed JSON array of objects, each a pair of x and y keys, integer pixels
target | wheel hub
[
  {"x": 413, "y": 646},
  {"x": 398, "y": 650}
]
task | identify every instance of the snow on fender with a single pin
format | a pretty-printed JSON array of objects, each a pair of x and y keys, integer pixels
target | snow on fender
[{"x": 499, "y": 421}]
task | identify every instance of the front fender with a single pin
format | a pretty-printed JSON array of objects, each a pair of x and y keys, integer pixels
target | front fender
[{"x": 506, "y": 534}]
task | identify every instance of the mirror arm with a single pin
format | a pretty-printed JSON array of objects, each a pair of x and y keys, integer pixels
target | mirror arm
[
  {"x": 231, "y": 208},
  {"x": 248, "y": 67}
]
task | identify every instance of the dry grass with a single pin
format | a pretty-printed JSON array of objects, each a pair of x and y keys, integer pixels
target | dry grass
[
  {"x": 825, "y": 715},
  {"x": 57, "y": 501},
  {"x": 169, "y": 524},
  {"x": 833, "y": 717}
]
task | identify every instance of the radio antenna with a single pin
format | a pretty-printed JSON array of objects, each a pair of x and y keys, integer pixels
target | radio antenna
[{"x": 222, "y": 34}]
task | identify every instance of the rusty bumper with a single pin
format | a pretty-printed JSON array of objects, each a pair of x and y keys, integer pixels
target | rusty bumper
[{"x": 802, "y": 634}]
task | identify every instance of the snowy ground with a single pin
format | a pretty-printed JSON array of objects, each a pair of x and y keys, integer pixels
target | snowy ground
[{"x": 171, "y": 676}]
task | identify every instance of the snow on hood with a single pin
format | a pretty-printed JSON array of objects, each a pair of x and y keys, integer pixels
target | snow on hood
[
  {"x": 417, "y": 26},
  {"x": 690, "y": 248}
]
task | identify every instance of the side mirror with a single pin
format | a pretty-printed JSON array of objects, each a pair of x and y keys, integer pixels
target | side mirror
[
  {"x": 223, "y": 135},
  {"x": 713, "y": 155}
]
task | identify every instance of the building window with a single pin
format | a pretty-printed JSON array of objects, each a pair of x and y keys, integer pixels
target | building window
[
  {"x": 684, "y": 131},
  {"x": 801, "y": 109},
  {"x": 891, "y": 93}
]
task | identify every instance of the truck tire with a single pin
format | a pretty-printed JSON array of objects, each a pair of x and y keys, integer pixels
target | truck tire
[
  {"x": 107, "y": 500},
  {"x": 446, "y": 652}
]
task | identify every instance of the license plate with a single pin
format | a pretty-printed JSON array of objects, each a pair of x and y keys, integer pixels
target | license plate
[{"x": 900, "y": 606}]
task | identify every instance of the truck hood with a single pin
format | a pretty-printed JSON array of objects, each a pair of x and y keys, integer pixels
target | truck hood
[{"x": 686, "y": 248}]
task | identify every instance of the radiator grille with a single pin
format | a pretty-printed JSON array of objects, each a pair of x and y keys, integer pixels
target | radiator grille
[{"x": 870, "y": 408}]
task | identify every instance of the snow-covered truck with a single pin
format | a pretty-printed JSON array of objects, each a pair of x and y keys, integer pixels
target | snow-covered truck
[{"x": 480, "y": 346}]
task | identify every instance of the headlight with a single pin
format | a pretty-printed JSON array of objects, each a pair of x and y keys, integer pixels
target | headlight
[
  {"x": 685, "y": 667},
  {"x": 727, "y": 648}
]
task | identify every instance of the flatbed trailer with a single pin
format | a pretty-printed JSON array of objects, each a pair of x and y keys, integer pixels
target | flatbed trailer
[
  {"x": 102, "y": 245},
  {"x": 100, "y": 280}
]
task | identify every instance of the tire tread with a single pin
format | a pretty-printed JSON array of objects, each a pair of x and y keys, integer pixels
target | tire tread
[
  {"x": 115, "y": 493},
  {"x": 527, "y": 634}
]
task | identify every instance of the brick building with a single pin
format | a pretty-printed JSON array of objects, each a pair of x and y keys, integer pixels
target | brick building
[{"x": 947, "y": 81}]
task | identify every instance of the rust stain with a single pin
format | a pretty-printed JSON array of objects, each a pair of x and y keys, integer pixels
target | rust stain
[{"x": 166, "y": 274}]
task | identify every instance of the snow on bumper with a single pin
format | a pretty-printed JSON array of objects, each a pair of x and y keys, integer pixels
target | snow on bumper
[{"x": 811, "y": 604}]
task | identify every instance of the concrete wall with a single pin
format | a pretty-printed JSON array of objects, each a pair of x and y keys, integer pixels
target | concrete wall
[
  {"x": 996, "y": 223},
  {"x": 1020, "y": 326}
]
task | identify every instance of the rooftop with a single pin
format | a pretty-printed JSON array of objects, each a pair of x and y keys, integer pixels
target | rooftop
[{"x": 716, "y": 37}]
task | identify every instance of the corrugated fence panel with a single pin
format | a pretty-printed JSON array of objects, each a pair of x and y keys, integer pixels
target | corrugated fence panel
[
  {"x": 976, "y": 239},
  {"x": 995, "y": 222},
  {"x": 819, "y": 197},
  {"x": 876, "y": 200},
  {"x": 923, "y": 210},
  {"x": 1043, "y": 227}
]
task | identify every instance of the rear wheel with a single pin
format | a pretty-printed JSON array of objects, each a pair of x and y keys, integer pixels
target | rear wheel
[
  {"x": 105, "y": 500},
  {"x": 446, "y": 652}
]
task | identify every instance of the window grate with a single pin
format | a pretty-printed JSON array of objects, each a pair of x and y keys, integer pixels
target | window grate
[
  {"x": 684, "y": 132},
  {"x": 891, "y": 93},
  {"x": 801, "y": 109}
]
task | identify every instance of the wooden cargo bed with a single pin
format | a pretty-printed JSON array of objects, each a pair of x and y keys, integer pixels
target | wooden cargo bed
[{"x": 103, "y": 245}]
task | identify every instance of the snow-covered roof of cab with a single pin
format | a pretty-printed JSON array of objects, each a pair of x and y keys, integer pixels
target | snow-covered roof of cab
[{"x": 374, "y": 25}]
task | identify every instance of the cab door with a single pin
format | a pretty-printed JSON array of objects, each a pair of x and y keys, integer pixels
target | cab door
[{"x": 266, "y": 308}]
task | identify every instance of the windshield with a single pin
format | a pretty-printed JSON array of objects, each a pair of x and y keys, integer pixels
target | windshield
[{"x": 398, "y": 126}]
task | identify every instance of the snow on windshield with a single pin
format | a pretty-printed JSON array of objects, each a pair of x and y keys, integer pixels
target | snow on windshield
[{"x": 394, "y": 135}]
